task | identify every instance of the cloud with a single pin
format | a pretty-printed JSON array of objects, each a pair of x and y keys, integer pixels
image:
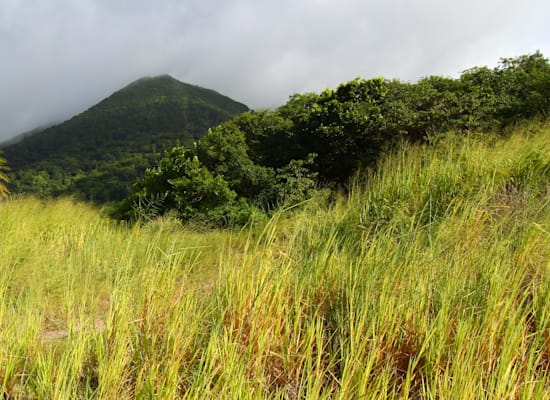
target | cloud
[{"x": 61, "y": 56}]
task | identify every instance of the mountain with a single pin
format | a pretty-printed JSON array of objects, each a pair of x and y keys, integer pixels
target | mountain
[
  {"x": 21, "y": 136},
  {"x": 98, "y": 154}
]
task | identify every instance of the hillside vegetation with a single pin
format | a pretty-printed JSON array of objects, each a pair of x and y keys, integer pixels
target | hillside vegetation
[
  {"x": 429, "y": 279},
  {"x": 98, "y": 154},
  {"x": 161, "y": 146},
  {"x": 259, "y": 161}
]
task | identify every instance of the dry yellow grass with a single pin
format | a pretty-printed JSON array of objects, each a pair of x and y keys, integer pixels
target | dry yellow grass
[{"x": 430, "y": 280}]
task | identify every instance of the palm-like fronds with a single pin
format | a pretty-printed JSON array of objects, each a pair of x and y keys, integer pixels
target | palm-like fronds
[{"x": 3, "y": 177}]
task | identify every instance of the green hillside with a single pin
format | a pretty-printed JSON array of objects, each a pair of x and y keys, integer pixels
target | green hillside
[
  {"x": 259, "y": 161},
  {"x": 98, "y": 154},
  {"x": 429, "y": 279}
]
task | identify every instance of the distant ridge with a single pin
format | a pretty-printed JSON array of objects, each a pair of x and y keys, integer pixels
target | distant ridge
[
  {"x": 21, "y": 136},
  {"x": 99, "y": 153}
]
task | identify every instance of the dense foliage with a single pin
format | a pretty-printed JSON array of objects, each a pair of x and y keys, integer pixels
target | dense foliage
[
  {"x": 98, "y": 154},
  {"x": 268, "y": 158}
]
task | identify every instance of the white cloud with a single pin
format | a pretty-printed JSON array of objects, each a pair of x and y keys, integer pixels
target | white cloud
[{"x": 61, "y": 56}]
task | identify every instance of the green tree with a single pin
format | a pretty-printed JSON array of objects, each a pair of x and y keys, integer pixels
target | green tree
[
  {"x": 181, "y": 183},
  {"x": 225, "y": 152},
  {"x": 517, "y": 88},
  {"x": 269, "y": 136},
  {"x": 268, "y": 158},
  {"x": 3, "y": 177},
  {"x": 525, "y": 84},
  {"x": 345, "y": 128}
]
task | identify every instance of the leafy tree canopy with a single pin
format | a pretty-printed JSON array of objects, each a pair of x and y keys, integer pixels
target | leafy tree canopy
[{"x": 259, "y": 160}]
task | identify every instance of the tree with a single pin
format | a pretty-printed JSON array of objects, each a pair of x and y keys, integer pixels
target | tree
[
  {"x": 344, "y": 129},
  {"x": 3, "y": 177},
  {"x": 265, "y": 159},
  {"x": 518, "y": 88},
  {"x": 526, "y": 86},
  {"x": 181, "y": 183},
  {"x": 224, "y": 152}
]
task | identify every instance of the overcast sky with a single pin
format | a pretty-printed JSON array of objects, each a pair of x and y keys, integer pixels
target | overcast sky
[{"x": 59, "y": 57}]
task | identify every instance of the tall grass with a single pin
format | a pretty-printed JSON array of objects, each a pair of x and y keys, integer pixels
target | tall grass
[{"x": 430, "y": 280}]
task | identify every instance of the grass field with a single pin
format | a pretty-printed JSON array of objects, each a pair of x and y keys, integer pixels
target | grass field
[{"x": 431, "y": 280}]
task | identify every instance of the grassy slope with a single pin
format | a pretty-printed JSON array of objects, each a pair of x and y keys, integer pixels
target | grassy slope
[{"x": 432, "y": 279}]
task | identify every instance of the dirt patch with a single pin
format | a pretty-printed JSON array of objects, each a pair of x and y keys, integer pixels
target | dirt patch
[{"x": 51, "y": 335}]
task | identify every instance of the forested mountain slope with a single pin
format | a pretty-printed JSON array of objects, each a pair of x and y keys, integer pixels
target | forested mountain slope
[{"x": 98, "y": 154}]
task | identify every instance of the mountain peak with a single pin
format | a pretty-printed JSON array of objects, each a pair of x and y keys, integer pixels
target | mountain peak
[
  {"x": 99, "y": 153},
  {"x": 163, "y": 87},
  {"x": 155, "y": 78}
]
